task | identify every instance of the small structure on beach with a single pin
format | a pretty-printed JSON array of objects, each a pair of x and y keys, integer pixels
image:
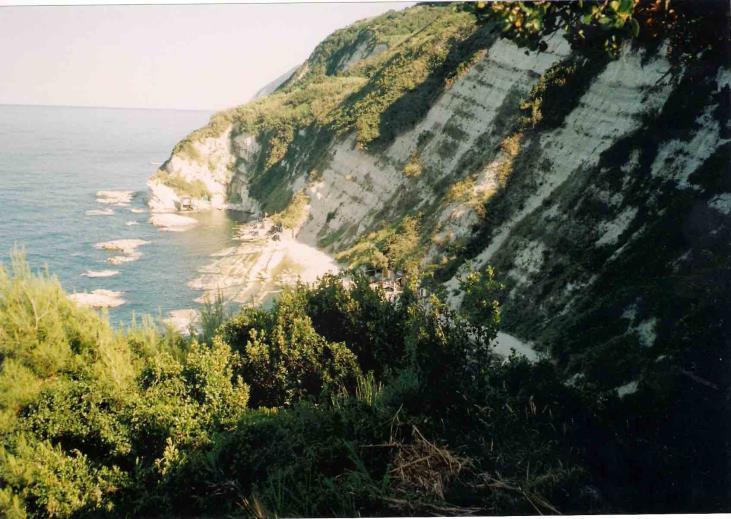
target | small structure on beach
[{"x": 186, "y": 204}]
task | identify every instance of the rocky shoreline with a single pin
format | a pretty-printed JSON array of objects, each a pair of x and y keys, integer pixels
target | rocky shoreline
[{"x": 266, "y": 260}]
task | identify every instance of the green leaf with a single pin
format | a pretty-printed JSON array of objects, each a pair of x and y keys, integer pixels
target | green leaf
[
  {"x": 526, "y": 8},
  {"x": 635, "y": 26}
]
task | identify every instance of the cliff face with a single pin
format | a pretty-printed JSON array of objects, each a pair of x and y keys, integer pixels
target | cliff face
[
  {"x": 202, "y": 169},
  {"x": 598, "y": 188}
]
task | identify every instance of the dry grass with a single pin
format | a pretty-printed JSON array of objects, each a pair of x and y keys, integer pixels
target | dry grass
[
  {"x": 254, "y": 508},
  {"x": 423, "y": 467},
  {"x": 510, "y": 148},
  {"x": 413, "y": 167},
  {"x": 461, "y": 191},
  {"x": 539, "y": 504}
]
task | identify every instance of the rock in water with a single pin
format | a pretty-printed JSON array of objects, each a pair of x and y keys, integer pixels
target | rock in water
[
  {"x": 100, "y": 273},
  {"x": 98, "y": 298},
  {"x": 173, "y": 222},
  {"x": 100, "y": 212},
  {"x": 127, "y": 247},
  {"x": 120, "y": 198}
]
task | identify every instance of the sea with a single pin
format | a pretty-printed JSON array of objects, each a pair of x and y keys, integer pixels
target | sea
[{"x": 53, "y": 161}]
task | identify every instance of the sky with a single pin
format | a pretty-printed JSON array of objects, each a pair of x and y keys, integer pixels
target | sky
[{"x": 205, "y": 57}]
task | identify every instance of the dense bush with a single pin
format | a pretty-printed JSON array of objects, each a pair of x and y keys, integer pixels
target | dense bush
[
  {"x": 424, "y": 58},
  {"x": 395, "y": 246},
  {"x": 334, "y": 401},
  {"x": 283, "y": 358}
]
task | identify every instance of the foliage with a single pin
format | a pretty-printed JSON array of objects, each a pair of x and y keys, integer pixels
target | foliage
[
  {"x": 395, "y": 247},
  {"x": 338, "y": 401},
  {"x": 189, "y": 150},
  {"x": 359, "y": 317},
  {"x": 607, "y": 24},
  {"x": 528, "y": 22},
  {"x": 44, "y": 480},
  {"x": 295, "y": 213},
  {"x": 194, "y": 189},
  {"x": 334, "y": 401},
  {"x": 180, "y": 402},
  {"x": 479, "y": 289},
  {"x": 425, "y": 59},
  {"x": 282, "y": 357},
  {"x": 79, "y": 402},
  {"x": 558, "y": 91},
  {"x": 387, "y": 30},
  {"x": 213, "y": 315},
  {"x": 413, "y": 167}
]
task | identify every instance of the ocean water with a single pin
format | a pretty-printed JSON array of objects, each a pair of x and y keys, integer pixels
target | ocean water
[{"x": 53, "y": 160}]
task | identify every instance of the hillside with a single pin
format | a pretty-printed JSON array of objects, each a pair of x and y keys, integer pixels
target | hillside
[
  {"x": 595, "y": 185},
  {"x": 274, "y": 84}
]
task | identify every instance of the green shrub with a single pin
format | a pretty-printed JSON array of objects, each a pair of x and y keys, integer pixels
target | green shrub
[
  {"x": 213, "y": 315},
  {"x": 194, "y": 189},
  {"x": 187, "y": 149},
  {"x": 295, "y": 213},
  {"x": 49, "y": 482},
  {"x": 395, "y": 247},
  {"x": 283, "y": 358},
  {"x": 358, "y": 406},
  {"x": 185, "y": 400}
]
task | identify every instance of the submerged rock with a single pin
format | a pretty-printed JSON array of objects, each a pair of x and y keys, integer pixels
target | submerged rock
[
  {"x": 120, "y": 198},
  {"x": 100, "y": 273},
  {"x": 127, "y": 247},
  {"x": 118, "y": 260},
  {"x": 173, "y": 222},
  {"x": 99, "y": 212},
  {"x": 98, "y": 298}
]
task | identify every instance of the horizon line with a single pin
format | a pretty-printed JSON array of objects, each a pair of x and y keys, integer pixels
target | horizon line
[{"x": 46, "y": 105}]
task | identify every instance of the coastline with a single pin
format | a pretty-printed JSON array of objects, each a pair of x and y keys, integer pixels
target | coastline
[{"x": 265, "y": 261}]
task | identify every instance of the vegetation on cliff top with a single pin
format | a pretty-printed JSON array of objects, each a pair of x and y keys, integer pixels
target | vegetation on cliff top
[
  {"x": 378, "y": 77},
  {"x": 397, "y": 52},
  {"x": 195, "y": 188}
]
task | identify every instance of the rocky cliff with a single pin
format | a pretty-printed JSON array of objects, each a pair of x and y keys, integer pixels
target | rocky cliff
[{"x": 597, "y": 187}]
